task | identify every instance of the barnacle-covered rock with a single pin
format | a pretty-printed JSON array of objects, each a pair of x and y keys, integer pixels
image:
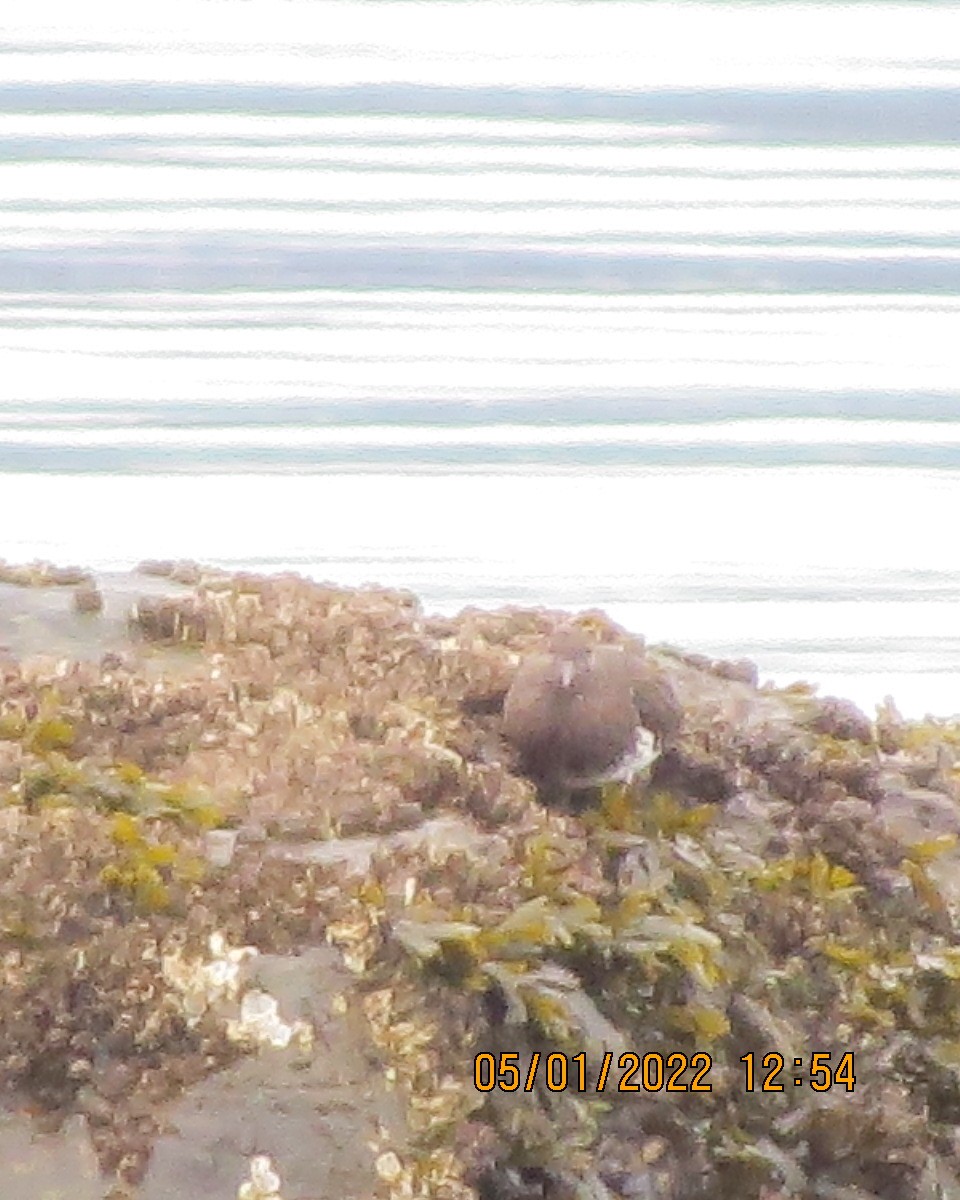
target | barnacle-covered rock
[
  {"x": 43, "y": 574},
  {"x": 88, "y": 599},
  {"x": 841, "y": 719},
  {"x": 502, "y": 994}
]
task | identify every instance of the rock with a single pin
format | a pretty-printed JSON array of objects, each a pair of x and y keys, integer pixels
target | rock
[
  {"x": 43, "y": 574},
  {"x": 440, "y": 839},
  {"x": 57, "y": 1165},
  {"x": 740, "y": 670},
  {"x": 161, "y": 568},
  {"x": 777, "y": 886},
  {"x": 843, "y": 720},
  {"x": 312, "y": 1114},
  {"x": 88, "y": 599},
  {"x": 165, "y": 619},
  {"x": 891, "y": 727},
  {"x": 186, "y": 572}
]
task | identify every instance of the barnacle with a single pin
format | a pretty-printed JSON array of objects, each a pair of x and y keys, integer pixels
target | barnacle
[
  {"x": 204, "y": 983},
  {"x": 264, "y": 1182},
  {"x": 259, "y": 1022}
]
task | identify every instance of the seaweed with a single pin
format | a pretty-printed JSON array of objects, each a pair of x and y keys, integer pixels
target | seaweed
[{"x": 754, "y": 897}]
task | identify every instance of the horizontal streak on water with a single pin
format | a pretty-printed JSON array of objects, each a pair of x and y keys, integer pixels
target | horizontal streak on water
[
  {"x": 337, "y": 349},
  {"x": 474, "y": 448},
  {"x": 736, "y": 433}
]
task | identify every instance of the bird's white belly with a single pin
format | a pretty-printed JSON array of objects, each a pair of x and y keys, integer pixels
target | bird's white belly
[{"x": 643, "y": 752}]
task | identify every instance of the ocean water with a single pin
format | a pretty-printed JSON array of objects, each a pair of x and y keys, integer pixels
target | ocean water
[{"x": 653, "y": 307}]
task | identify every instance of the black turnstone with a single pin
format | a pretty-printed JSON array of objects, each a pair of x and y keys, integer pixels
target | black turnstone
[{"x": 581, "y": 714}]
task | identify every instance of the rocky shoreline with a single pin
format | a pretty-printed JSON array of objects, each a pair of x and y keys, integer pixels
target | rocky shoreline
[{"x": 204, "y": 763}]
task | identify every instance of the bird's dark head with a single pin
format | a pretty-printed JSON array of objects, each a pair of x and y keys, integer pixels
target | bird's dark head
[{"x": 572, "y": 651}]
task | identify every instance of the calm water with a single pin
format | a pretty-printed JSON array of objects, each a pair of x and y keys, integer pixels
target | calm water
[{"x": 654, "y": 307}]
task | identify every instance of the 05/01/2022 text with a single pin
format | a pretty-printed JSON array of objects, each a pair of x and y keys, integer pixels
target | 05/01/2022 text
[{"x": 630, "y": 1072}]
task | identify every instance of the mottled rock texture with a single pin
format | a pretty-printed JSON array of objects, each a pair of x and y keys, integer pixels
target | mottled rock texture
[{"x": 783, "y": 883}]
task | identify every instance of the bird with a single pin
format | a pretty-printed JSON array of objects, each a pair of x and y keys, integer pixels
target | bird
[{"x": 580, "y": 714}]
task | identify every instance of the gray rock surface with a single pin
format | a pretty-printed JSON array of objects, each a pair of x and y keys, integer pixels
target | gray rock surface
[
  {"x": 44, "y": 620},
  {"x": 57, "y": 1165},
  {"x": 312, "y": 1113}
]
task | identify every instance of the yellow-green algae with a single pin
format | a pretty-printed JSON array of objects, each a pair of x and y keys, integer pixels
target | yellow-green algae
[{"x": 658, "y": 923}]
